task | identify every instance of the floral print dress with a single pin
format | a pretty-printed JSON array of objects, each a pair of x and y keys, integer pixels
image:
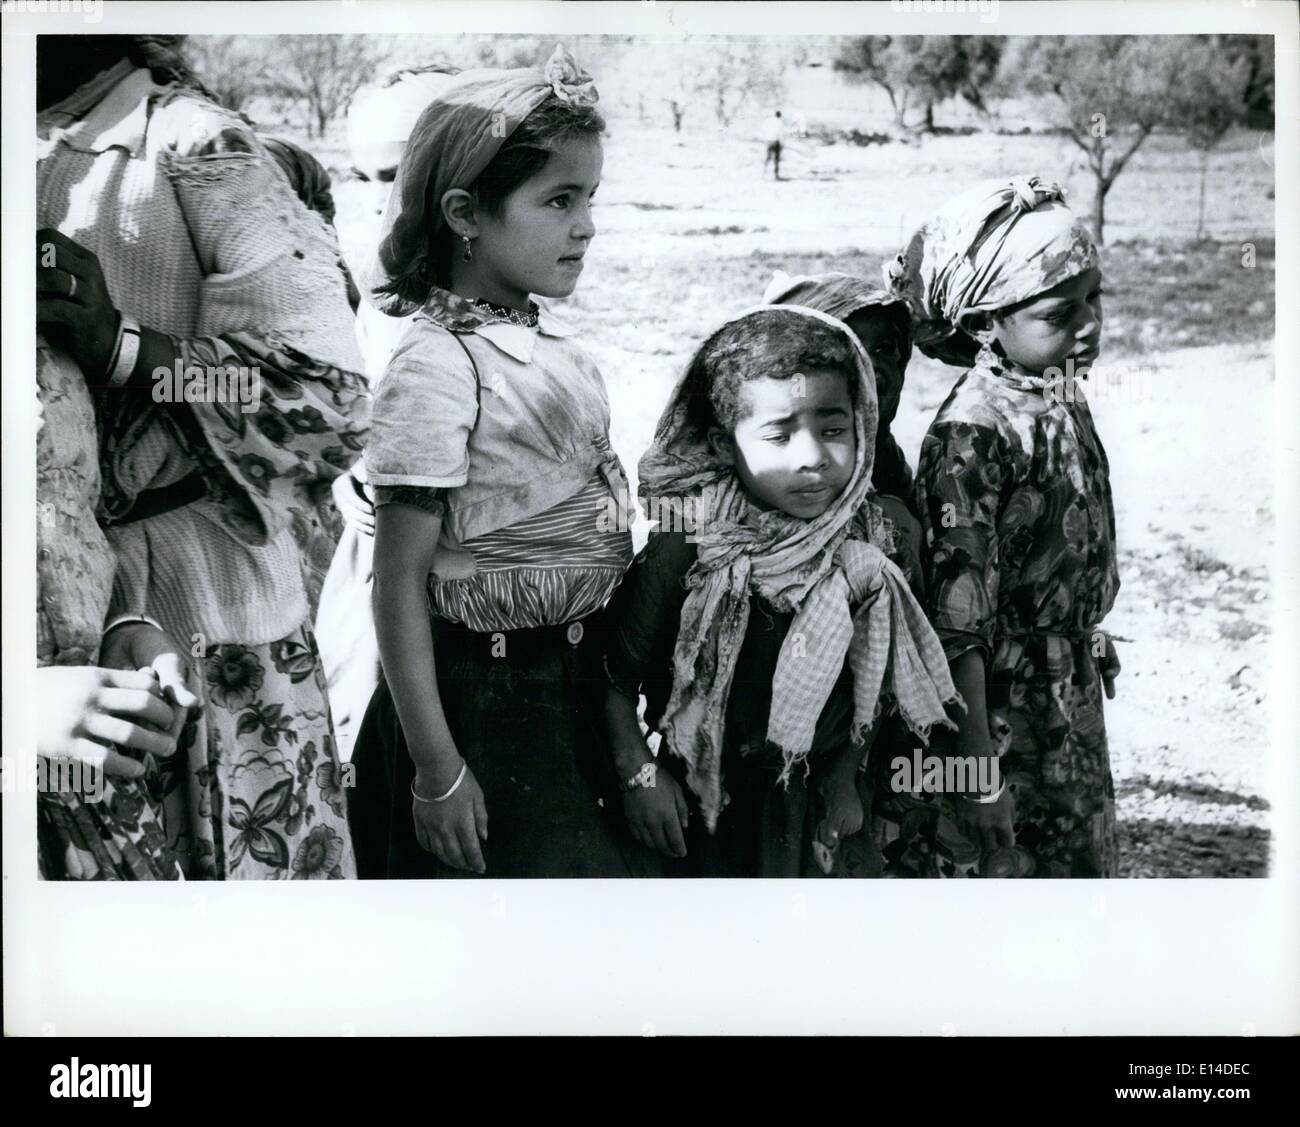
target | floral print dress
[
  {"x": 1014, "y": 495},
  {"x": 216, "y": 508}
]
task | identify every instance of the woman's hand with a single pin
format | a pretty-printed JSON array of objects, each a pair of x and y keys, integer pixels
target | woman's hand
[
  {"x": 72, "y": 303},
  {"x": 142, "y": 646},
  {"x": 353, "y": 503},
  {"x": 1109, "y": 667},
  {"x": 991, "y": 824},
  {"x": 657, "y": 815},
  {"x": 451, "y": 830},
  {"x": 85, "y": 708}
]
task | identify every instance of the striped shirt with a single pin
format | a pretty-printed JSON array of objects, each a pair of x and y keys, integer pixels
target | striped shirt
[{"x": 550, "y": 568}]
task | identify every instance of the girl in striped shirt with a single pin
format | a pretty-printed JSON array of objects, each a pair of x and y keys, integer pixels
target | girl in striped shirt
[{"x": 493, "y": 473}]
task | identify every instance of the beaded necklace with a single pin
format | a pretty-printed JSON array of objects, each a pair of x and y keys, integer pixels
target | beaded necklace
[{"x": 514, "y": 316}]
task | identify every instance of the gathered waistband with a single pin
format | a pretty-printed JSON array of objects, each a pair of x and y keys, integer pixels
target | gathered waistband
[{"x": 522, "y": 642}]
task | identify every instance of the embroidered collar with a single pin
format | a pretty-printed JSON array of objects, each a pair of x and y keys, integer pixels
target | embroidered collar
[
  {"x": 110, "y": 111},
  {"x": 461, "y": 315},
  {"x": 512, "y": 316}
]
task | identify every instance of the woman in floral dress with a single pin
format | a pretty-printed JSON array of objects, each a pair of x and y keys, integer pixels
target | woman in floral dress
[{"x": 172, "y": 241}]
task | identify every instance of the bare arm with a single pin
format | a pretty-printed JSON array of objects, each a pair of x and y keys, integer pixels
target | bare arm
[
  {"x": 627, "y": 745},
  {"x": 405, "y": 540},
  {"x": 973, "y": 724},
  {"x": 991, "y": 822}
]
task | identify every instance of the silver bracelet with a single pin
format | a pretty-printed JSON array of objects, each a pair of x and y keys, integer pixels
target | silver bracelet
[
  {"x": 126, "y": 353},
  {"x": 988, "y": 799},
  {"x": 130, "y": 619},
  {"x": 464, "y": 766}
]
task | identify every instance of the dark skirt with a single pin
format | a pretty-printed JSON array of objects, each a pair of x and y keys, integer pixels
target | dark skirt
[
  {"x": 529, "y": 721},
  {"x": 767, "y": 829}
]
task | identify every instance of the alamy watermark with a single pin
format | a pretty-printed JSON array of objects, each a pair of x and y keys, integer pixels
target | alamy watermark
[
  {"x": 945, "y": 774},
  {"x": 216, "y": 383},
  {"x": 986, "y": 9},
  {"x": 1122, "y": 383},
  {"x": 669, "y": 514},
  {"x": 92, "y": 11},
  {"x": 53, "y": 775}
]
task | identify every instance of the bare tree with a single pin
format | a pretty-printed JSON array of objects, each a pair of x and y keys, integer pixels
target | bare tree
[
  {"x": 722, "y": 76},
  {"x": 927, "y": 69},
  {"x": 1211, "y": 99},
  {"x": 233, "y": 67},
  {"x": 731, "y": 72},
  {"x": 1113, "y": 91},
  {"x": 873, "y": 59},
  {"x": 322, "y": 72}
]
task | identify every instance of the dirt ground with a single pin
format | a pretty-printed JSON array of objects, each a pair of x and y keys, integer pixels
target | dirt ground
[{"x": 690, "y": 231}]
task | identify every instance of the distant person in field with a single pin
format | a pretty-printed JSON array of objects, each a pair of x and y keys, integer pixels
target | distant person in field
[
  {"x": 769, "y": 633},
  {"x": 774, "y": 135},
  {"x": 1014, "y": 494}
]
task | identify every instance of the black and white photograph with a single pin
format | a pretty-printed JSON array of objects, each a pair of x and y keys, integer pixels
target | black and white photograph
[{"x": 722, "y": 446}]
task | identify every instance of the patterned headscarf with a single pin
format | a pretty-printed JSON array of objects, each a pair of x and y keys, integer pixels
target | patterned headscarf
[
  {"x": 997, "y": 244},
  {"x": 817, "y": 569},
  {"x": 841, "y": 296},
  {"x": 453, "y": 141}
]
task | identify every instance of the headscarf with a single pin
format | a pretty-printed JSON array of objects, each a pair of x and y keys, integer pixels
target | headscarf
[
  {"x": 453, "y": 141},
  {"x": 815, "y": 569},
  {"x": 841, "y": 296},
  {"x": 165, "y": 57},
  {"x": 993, "y": 246},
  {"x": 307, "y": 176}
]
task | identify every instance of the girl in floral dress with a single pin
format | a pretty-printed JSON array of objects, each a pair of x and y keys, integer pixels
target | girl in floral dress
[
  {"x": 194, "y": 252},
  {"x": 1014, "y": 493}
]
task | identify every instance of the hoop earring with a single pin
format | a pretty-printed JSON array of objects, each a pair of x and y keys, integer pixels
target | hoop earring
[{"x": 468, "y": 256}]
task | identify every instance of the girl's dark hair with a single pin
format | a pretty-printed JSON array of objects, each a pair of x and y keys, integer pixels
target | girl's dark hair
[
  {"x": 774, "y": 343},
  {"x": 523, "y": 155}
]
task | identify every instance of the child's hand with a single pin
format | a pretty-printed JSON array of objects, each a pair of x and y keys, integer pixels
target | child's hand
[
  {"x": 88, "y": 712},
  {"x": 353, "y": 503},
  {"x": 844, "y": 817},
  {"x": 1110, "y": 668},
  {"x": 451, "y": 830},
  {"x": 991, "y": 824},
  {"x": 141, "y": 645},
  {"x": 657, "y": 815}
]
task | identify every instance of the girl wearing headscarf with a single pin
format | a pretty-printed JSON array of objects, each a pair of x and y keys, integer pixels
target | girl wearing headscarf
[
  {"x": 881, "y": 322},
  {"x": 172, "y": 244},
  {"x": 1014, "y": 492},
  {"x": 763, "y": 620},
  {"x": 494, "y": 481}
]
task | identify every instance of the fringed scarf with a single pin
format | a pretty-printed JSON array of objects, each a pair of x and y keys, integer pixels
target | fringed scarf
[{"x": 816, "y": 569}]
